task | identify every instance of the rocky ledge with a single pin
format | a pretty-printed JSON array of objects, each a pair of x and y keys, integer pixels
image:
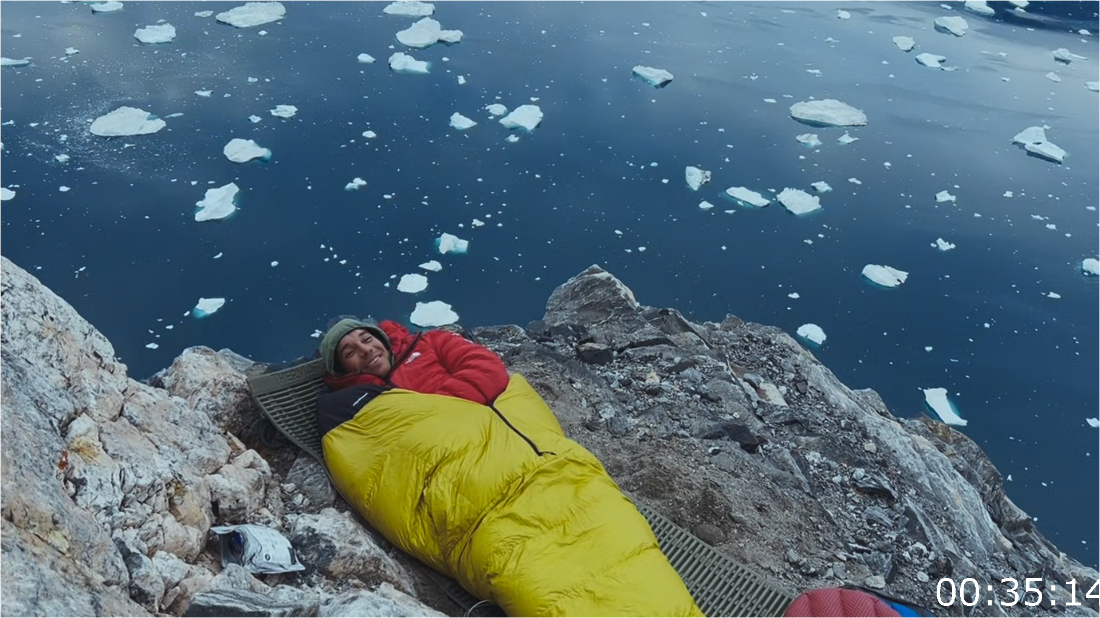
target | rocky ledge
[{"x": 733, "y": 430}]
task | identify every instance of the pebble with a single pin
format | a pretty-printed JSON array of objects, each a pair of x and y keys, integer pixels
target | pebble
[
  {"x": 922, "y": 577},
  {"x": 870, "y": 447},
  {"x": 877, "y": 582}
]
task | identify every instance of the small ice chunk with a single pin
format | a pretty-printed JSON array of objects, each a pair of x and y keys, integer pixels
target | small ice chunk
[
  {"x": 252, "y": 14},
  {"x": 1093, "y": 422},
  {"x": 355, "y": 184},
  {"x": 241, "y": 150},
  {"x": 427, "y": 32},
  {"x": 951, "y": 25},
  {"x": 70, "y": 51},
  {"x": 812, "y": 333},
  {"x": 1093, "y": 86},
  {"x": 798, "y": 202},
  {"x": 411, "y": 284},
  {"x": 204, "y": 93},
  {"x": 254, "y": 118},
  {"x": 218, "y": 203},
  {"x": 1089, "y": 266},
  {"x": 126, "y": 121},
  {"x": 525, "y": 116},
  {"x": 944, "y": 196},
  {"x": 152, "y": 346},
  {"x": 936, "y": 398},
  {"x": 404, "y": 63},
  {"x": 705, "y": 205},
  {"x": 207, "y": 306},
  {"x": 204, "y": 13},
  {"x": 370, "y": 134},
  {"x": 1053, "y": 295},
  {"x": 6, "y": 194},
  {"x": 365, "y": 58},
  {"x": 460, "y": 122},
  {"x": 943, "y": 245},
  {"x": 1034, "y": 140},
  {"x": 855, "y": 181},
  {"x": 15, "y": 62},
  {"x": 159, "y": 33},
  {"x": 846, "y": 139},
  {"x": 284, "y": 111},
  {"x": 658, "y": 78},
  {"x": 1007, "y": 194},
  {"x": 435, "y": 313},
  {"x": 496, "y": 109},
  {"x": 432, "y": 265},
  {"x": 1054, "y": 77},
  {"x": 1065, "y": 56},
  {"x": 512, "y": 138},
  {"x": 842, "y": 14},
  {"x": 810, "y": 140},
  {"x": 461, "y": 80},
  {"x": 821, "y": 186},
  {"x": 273, "y": 265},
  {"x": 769, "y": 100},
  {"x": 63, "y": 189},
  {"x": 828, "y": 112},
  {"x": 884, "y": 275},
  {"x": 106, "y": 7},
  {"x": 62, "y": 158},
  {"x": 449, "y": 243},
  {"x": 932, "y": 61},
  {"x": 409, "y": 8},
  {"x": 979, "y": 7},
  {"x": 747, "y": 197},
  {"x": 905, "y": 43},
  {"x": 696, "y": 177}
]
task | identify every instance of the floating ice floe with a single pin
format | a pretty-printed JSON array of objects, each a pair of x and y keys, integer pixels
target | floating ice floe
[
  {"x": 61, "y": 158},
  {"x": 449, "y": 243},
  {"x": 1034, "y": 141},
  {"x": 884, "y": 275},
  {"x": 409, "y": 8},
  {"x": 460, "y": 122},
  {"x": 658, "y": 78},
  {"x": 253, "y": 14},
  {"x": 218, "y": 203},
  {"x": 696, "y": 177},
  {"x": 936, "y": 398},
  {"x": 829, "y": 113},
  {"x": 404, "y": 63},
  {"x": 1054, "y": 77},
  {"x": 798, "y": 202},
  {"x": 846, "y": 139},
  {"x": 810, "y": 140},
  {"x": 435, "y": 313},
  {"x": 513, "y": 138},
  {"x": 106, "y": 7},
  {"x": 432, "y": 265},
  {"x": 355, "y": 184},
  {"x": 944, "y": 196},
  {"x": 461, "y": 80},
  {"x": 943, "y": 245},
  {"x": 1093, "y": 422},
  {"x": 254, "y": 119},
  {"x": 1066, "y": 56},
  {"x": 427, "y": 32},
  {"x": 821, "y": 186},
  {"x": 203, "y": 13},
  {"x": 496, "y": 109},
  {"x": 932, "y": 61},
  {"x": 284, "y": 111},
  {"x": 951, "y": 25},
  {"x": 979, "y": 7},
  {"x": 126, "y": 121},
  {"x": 1053, "y": 295},
  {"x": 905, "y": 43},
  {"x": 159, "y": 33},
  {"x": 365, "y": 58},
  {"x": 64, "y": 189},
  {"x": 411, "y": 284},
  {"x": 1093, "y": 86},
  {"x": 152, "y": 346},
  {"x": 855, "y": 181},
  {"x": 705, "y": 205},
  {"x": 241, "y": 150},
  {"x": 204, "y": 93},
  {"x": 6, "y": 194},
  {"x": 842, "y": 14},
  {"x": 1089, "y": 266},
  {"x": 71, "y": 51},
  {"x": 207, "y": 306},
  {"x": 15, "y": 62},
  {"x": 370, "y": 134},
  {"x": 523, "y": 117},
  {"x": 747, "y": 197},
  {"x": 812, "y": 333}
]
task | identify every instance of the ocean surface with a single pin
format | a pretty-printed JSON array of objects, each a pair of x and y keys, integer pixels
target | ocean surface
[{"x": 600, "y": 179}]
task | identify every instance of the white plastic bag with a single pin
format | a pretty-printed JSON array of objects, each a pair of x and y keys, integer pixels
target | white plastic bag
[{"x": 257, "y": 548}]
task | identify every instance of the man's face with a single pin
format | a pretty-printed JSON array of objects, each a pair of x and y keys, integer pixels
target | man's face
[{"x": 361, "y": 352}]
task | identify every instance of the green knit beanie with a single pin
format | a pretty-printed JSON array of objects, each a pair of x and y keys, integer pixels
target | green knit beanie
[{"x": 337, "y": 332}]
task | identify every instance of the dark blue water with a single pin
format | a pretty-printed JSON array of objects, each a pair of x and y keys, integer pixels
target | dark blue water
[{"x": 1026, "y": 383}]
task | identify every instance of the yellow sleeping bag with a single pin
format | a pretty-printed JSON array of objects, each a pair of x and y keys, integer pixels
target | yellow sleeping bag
[{"x": 465, "y": 490}]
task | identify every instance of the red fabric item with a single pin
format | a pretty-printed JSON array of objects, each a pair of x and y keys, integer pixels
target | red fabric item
[
  {"x": 838, "y": 602},
  {"x": 443, "y": 363}
]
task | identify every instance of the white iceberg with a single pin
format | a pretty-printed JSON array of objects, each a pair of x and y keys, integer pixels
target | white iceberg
[
  {"x": 461, "y": 80},
  {"x": 1093, "y": 422},
  {"x": 798, "y": 202},
  {"x": 1053, "y": 295},
  {"x": 404, "y": 63},
  {"x": 203, "y": 13},
  {"x": 1034, "y": 141},
  {"x": 705, "y": 205},
  {"x": 932, "y": 61},
  {"x": 524, "y": 117},
  {"x": 979, "y": 7},
  {"x": 6, "y": 194},
  {"x": 1093, "y": 86},
  {"x": 435, "y": 313},
  {"x": 355, "y": 184},
  {"x": 828, "y": 112},
  {"x": 513, "y": 138},
  {"x": 241, "y": 150},
  {"x": 365, "y": 58},
  {"x": 15, "y": 62},
  {"x": 412, "y": 284},
  {"x": 884, "y": 275},
  {"x": 905, "y": 43},
  {"x": 218, "y": 203},
  {"x": 126, "y": 121},
  {"x": 1054, "y": 77},
  {"x": 253, "y": 14},
  {"x": 370, "y": 134},
  {"x": 254, "y": 118},
  {"x": 496, "y": 109},
  {"x": 204, "y": 93},
  {"x": 747, "y": 197},
  {"x": 460, "y": 122},
  {"x": 432, "y": 265},
  {"x": 207, "y": 306},
  {"x": 427, "y": 32},
  {"x": 842, "y": 14},
  {"x": 846, "y": 139},
  {"x": 812, "y": 333},
  {"x": 821, "y": 186},
  {"x": 1066, "y": 56},
  {"x": 944, "y": 196},
  {"x": 943, "y": 245},
  {"x": 61, "y": 158},
  {"x": 1089, "y": 266},
  {"x": 409, "y": 8},
  {"x": 284, "y": 111},
  {"x": 810, "y": 140},
  {"x": 696, "y": 177},
  {"x": 152, "y": 346},
  {"x": 657, "y": 78},
  {"x": 449, "y": 243},
  {"x": 106, "y": 7},
  {"x": 159, "y": 33},
  {"x": 936, "y": 398},
  {"x": 951, "y": 25},
  {"x": 71, "y": 51}
]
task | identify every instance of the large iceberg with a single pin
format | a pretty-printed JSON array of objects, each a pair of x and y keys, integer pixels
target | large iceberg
[
  {"x": 1065, "y": 56},
  {"x": 218, "y": 203},
  {"x": 126, "y": 121},
  {"x": 747, "y": 197},
  {"x": 449, "y": 243},
  {"x": 240, "y": 150},
  {"x": 884, "y": 275},
  {"x": 951, "y": 25},
  {"x": 6, "y": 194},
  {"x": 252, "y": 14},
  {"x": 435, "y": 313},
  {"x": 411, "y": 284},
  {"x": 798, "y": 202},
  {"x": 905, "y": 43},
  {"x": 106, "y": 7},
  {"x": 409, "y": 8},
  {"x": 979, "y": 7},
  {"x": 404, "y": 63},
  {"x": 1090, "y": 266},
  {"x": 523, "y": 117},
  {"x": 658, "y": 78},
  {"x": 696, "y": 177},
  {"x": 460, "y": 122},
  {"x": 427, "y": 32},
  {"x": 207, "y": 306},
  {"x": 829, "y": 113},
  {"x": 1034, "y": 141},
  {"x": 936, "y": 398},
  {"x": 159, "y": 33},
  {"x": 812, "y": 333},
  {"x": 15, "y": 62},
  {"x": 284, "y": 111}
]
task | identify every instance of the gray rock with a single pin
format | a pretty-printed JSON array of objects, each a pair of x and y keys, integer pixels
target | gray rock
[
  {"x": 793, "y": 557},
  {"x": 337, "y": 546},
  {"x": 591, "y": 296},
  {"x": 877, "y": 515},
  {"x": 594, "y": 354},
  {"x": 384, "y": 601},
  {"x": 875, "y": 581},
  {"x": 310, "y": 478},
  {"x": 247, "y": 603}
]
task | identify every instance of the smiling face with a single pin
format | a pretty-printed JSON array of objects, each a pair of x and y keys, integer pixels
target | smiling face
[{"x": 361, "y": 352}]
